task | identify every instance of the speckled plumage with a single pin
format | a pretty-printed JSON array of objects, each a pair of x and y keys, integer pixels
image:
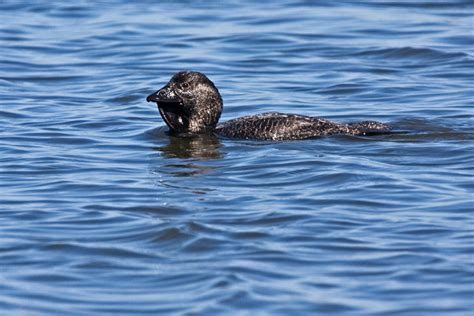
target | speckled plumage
[{"x": 191, "y": 104}]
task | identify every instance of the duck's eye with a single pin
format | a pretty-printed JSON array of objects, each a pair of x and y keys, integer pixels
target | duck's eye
[{"x": 184, "y": 85}]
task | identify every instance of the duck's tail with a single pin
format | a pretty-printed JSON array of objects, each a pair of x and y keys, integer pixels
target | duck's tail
[{"x": 368, "y": 128}]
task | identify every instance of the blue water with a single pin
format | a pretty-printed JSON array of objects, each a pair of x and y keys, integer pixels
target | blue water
[{"x": 103, "y": 213}]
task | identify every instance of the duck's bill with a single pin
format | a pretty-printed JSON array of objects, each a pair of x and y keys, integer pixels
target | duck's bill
[{"x": 165, "y": 95}]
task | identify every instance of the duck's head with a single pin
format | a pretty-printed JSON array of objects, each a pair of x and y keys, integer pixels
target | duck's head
[{"x": 189, "y": 103}]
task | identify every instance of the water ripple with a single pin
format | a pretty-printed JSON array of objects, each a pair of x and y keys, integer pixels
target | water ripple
[{"x": 103, "y": 212}]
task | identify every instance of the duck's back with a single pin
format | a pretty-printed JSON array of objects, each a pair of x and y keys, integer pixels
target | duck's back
[
  {"x": 276, "y": 126},
  {"x": 280, "y": 126}
]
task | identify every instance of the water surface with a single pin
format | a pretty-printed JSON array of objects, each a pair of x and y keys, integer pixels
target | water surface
[{"x": 102, "y": 212}]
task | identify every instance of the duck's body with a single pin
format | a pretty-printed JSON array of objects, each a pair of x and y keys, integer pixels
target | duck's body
[
  {"x": 281, "y": 126},
  {"x": 191, "y": 104}
]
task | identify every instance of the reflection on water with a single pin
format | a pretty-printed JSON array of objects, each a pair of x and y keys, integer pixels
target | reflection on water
[
  {"x": 184, "y": 155},
  {"x": 186, "y": 170},
  {"x": 205, "y": 146}
]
